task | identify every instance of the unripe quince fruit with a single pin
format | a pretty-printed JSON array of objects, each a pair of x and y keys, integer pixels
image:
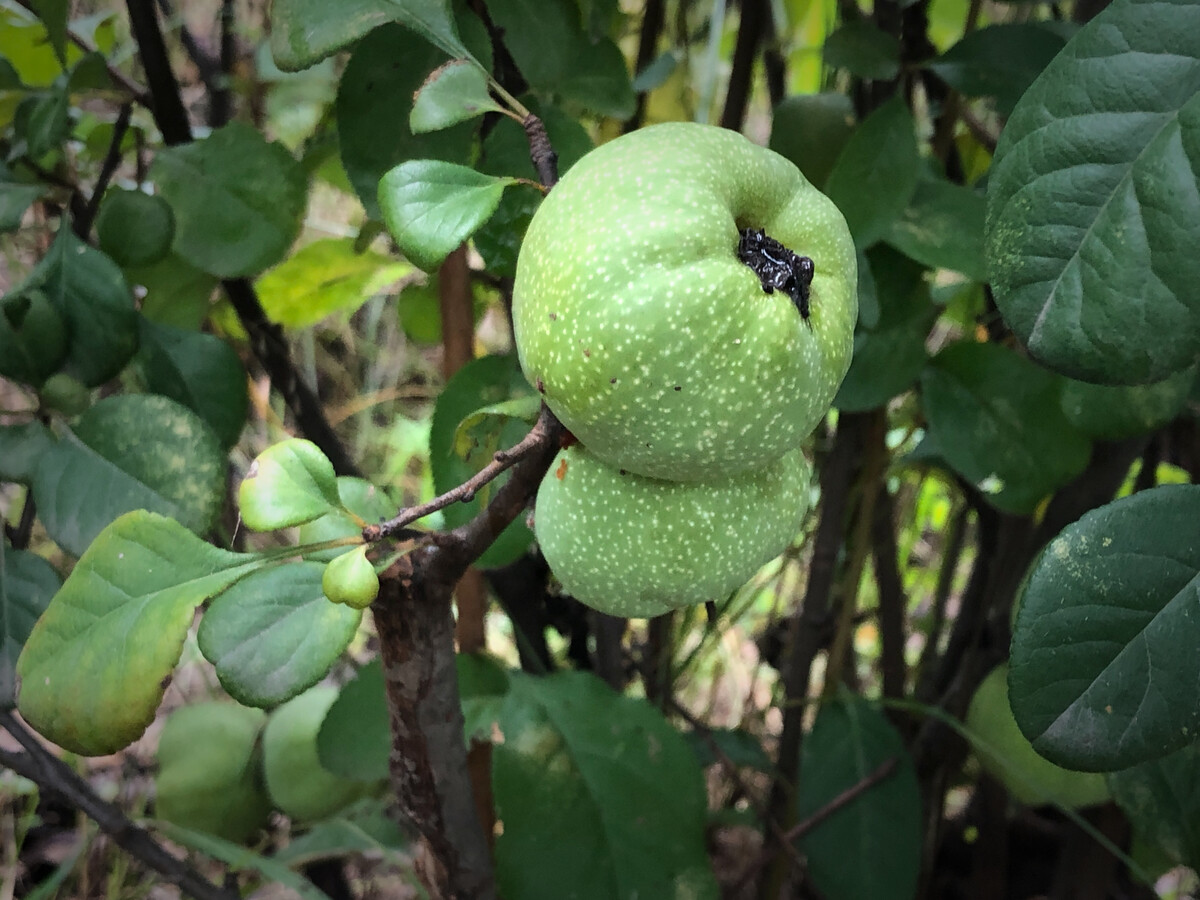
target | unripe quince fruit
[
  {"x": 351, "y": 579},
  {"x": 1008, "y": 756},
  {"x": 628, "y": 545},
  {"x": 647, "y": 334}
]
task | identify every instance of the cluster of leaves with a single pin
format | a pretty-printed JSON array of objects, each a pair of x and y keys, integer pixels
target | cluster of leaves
[{"x": 1073, "y": 234}]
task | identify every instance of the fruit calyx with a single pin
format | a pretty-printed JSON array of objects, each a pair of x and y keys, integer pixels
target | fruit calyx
[{"x": 777, "y": 268}]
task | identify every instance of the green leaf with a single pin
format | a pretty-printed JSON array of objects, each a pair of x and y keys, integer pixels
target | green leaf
[
  {"x": 43, "y": 120},
  {"x": 476, "y": 439},
  {"x": 656, "y": 73},
  {"x": 999, "y": 61},
  {"x": 997, "y": 419},
  {"x": 741, "y": 748},
  {"x": 132, "y": 451},
  {"x": 811, "y": 130},
  {"x": 288, "y": 484},
  {"x": 599, "y": 795},
  {"x": 237, "y": 200},
  {"x": 26, "y": 44},
  {"x": 273, "y": 634},
  {"x": 942, "y": 227},
  {"x": 862, "y": 49},
  {"x": 480, "y": 383},
  {"x": 506, "y": 152},
  {"x": 888, "y": 357},
  {"x": 15, "y": 199},
  {"x": 53, "y": 14},
  {"x": 240, "y": 858},
  {"x": 355, "y": 739},
  {"x": 1162, "y": 800},
  {"x": 849, "y": 741},
  {"x": 134, "y": 228},
  {"x": 200, "y": 372},
  {"x": 482, "y": 684},
  {"x": 454, "y": 92},
  {"x": 876, "y": 174},
  {"x": 387, "y": 68},
  {"x": 322, "y": 278},
  {"x": 559, "y": 58},
  {"x": 304, "y": 32},
  {"x": 33, "y": 337},
  {"x": 1105, "y": 649},
  {"x": 21, "y": 449},
  {"x": 90, "y": 293},
  {"x": 363, "y": 828},
  {"x": 1113, "y": 413},
  {"x": 431, "y": 207},
  {"x": 1094, "y": 201},
  {"x": 27, "y": 582},
  {"x": 174, "y": 292},
  {"x": 136, "y": 588}
]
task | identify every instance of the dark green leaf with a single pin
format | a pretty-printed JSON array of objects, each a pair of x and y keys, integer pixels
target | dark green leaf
[
  {"x": 27, "y": 582},
  {"x": 1105, "y": 649},
  {"x": 942, "y": 227},
  {"x": 21, "y": 449},
  {"x": 888, "y": 358},
  {"x": 1094, "y": 202},
  {"x": 480, "y": 383},
  {"x": 431, "y": 207},
  {"x": 599, "y": 795},
  {"x": 200, "y": 371},
  {"x": 304, "y": 32},
  {"x": 356, "y": 738},
  {"x": 1113, "y": 413},
  {"x": 454, "y": 92},
  {"x": 738, "y": 747},
  {"x": 53, "y": 14},
  {"x": 44, "y": 121},
  {"x": 90, "y": 293},
  {"x": 655, "y": 74},
  {"x": 132, "y": 451},
  {"x": 850, "y": 740},
  {"x": 482, "y": 685},
  {"x": 237, "y": 200},
  {"x": 138, "y": 586},
  {"x": 999, "y": 61},
  {"x": 1162, "y": 800},
  {"x": 998, "y": 420},
  {"x": 373, "y": 105},
  {"x": 15, "y": 198},
  {"x": 862, "y": 49},
  {"x": 288, "y": 484},
  {"x": 134, "y": 228},
  {"x": 506, "y": 152},
  {"x": 558, "y": 58},
  {"x": 876, "y": 173},
  {"x": 273, "y": 634},
  {"x": 811, "y": 130}
]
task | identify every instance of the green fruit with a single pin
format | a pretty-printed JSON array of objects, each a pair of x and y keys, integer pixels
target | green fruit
[
  {"x": 208, "y": 770},
  {"x": 66, "y": 394},
  {"x": 133, "y": 228},
  {"x": 33, "y": 337},
  {"x": 634, "y": 546},
  {"x": 351, "y": 579},
  {"x": 647, "y": 335},
  {"x": 1009, "y": 757},
  {"x": 296, "y": 781}
]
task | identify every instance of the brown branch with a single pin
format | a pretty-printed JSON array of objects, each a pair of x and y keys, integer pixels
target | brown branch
[
  {"x": 541, "y": 151},
  {"x": 741, "y": 75},
  {"x": 54, "y": 776},
  {"x": 892, "y": 600},
  {"x": 807, "y": 627},
  {"x": 539, "y": 437},
  {"x": 653, "y": 20}
]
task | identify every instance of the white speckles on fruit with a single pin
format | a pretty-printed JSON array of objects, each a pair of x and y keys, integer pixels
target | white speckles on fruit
[
  {"x": 635, "y": 253},
  {"x": 634, "y": 546}
]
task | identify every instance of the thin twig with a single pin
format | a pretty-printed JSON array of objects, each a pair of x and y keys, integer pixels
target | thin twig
[
  {"x": 538, "y": 437},
  {"x": 51, "y": 774},
  {"x": 112, "y": 159}
]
